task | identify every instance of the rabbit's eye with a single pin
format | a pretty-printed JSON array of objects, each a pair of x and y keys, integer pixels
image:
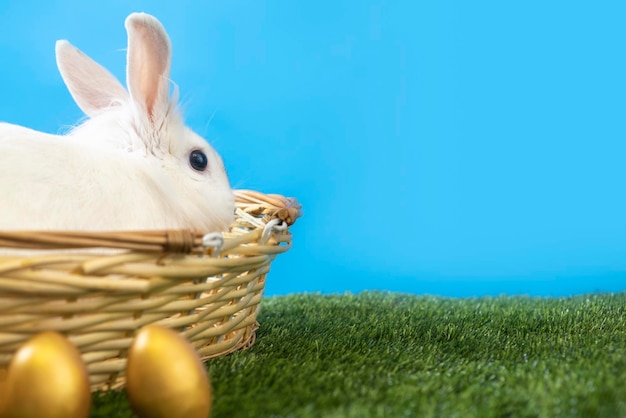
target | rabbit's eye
[{"x": 198, "y": 160}]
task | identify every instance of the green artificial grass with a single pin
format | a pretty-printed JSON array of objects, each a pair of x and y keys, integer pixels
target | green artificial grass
[{"x": 393, "y": 355}]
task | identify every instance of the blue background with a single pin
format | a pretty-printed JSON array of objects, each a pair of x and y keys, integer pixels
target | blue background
[{"x": 452, "y": 147}]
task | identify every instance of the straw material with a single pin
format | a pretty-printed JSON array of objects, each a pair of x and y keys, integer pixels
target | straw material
[{"x": 99, "y": 288}]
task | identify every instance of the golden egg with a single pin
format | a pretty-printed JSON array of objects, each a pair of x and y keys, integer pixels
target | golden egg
[
  {"x": 3, "y": 388},
  {"x": 46, "y": 378},
  {"x": 165, "y": 377}
]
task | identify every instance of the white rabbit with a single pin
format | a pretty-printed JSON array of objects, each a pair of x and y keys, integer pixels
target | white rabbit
[{"x": 132, "y": 166}]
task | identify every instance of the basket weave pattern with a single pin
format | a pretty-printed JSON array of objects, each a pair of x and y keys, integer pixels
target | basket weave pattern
[{"x": 98, "y": 289}]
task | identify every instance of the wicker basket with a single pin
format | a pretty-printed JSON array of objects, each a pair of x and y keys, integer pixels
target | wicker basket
[{"x": 98, "y": 289}]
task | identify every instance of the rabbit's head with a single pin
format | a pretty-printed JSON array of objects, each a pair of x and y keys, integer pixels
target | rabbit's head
[{"x": 184, "y": 172}]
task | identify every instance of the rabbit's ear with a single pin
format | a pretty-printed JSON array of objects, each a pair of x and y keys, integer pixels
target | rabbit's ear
[
  {"x": 149, "y": 60},
  {"x": 91, "y": 85}
]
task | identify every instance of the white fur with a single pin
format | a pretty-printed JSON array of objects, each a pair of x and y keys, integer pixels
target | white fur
[{"x": 125, "y": 168}]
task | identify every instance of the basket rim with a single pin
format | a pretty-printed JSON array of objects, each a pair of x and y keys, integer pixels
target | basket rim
[{"x": 185, "y": 241}]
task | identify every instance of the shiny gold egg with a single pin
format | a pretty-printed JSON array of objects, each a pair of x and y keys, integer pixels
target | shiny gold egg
[
  {"x": 47, "y": 378},
  {"x": 165, "y": 377},
  {"x": 3, "y": 389}
]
